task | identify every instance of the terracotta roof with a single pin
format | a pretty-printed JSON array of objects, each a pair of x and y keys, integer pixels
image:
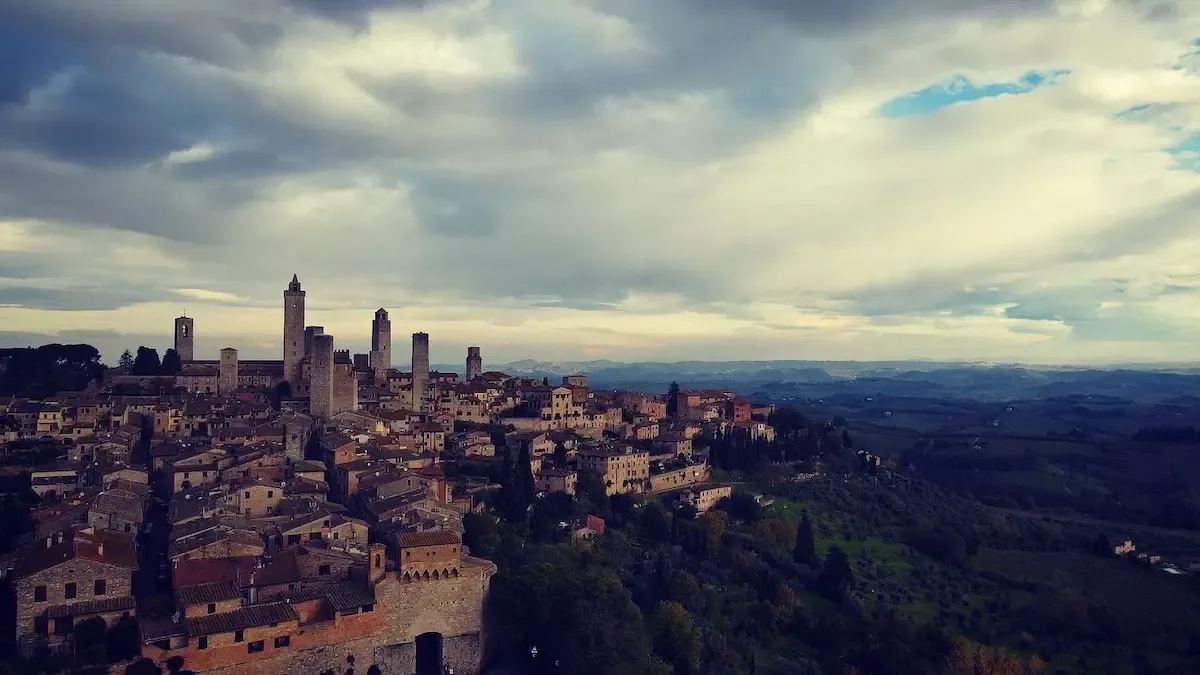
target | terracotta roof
[
  {"x": 342, "y": 595},
  {"x": 246, "y": 617},
  {"x": 105, "y": 546},
  {"x": 88, "y": 607},
  {"x": 236, "y": 569},
  {"x": 202, "y": 594},
  {"x": 281, "y": 569},
  {"x": 429, "y": 538}
]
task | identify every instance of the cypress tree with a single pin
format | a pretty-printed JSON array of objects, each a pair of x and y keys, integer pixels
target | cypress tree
[{"x": 805, "y": 551}]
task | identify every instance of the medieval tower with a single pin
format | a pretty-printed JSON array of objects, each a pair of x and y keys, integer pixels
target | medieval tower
[
  {"x": 293, "y": 332},
  {"x": 320, "y": 397},
  {"x": 381, "y": 345},
  {"x": 420, "y": 370},
  {"x": 474, "y": 363},
  {"x": 184, "y": 328},
  {"x": 227, "y": 377}
]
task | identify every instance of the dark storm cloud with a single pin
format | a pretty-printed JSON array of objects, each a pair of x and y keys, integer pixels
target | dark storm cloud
[
  {"x": 75, "y": 299},
  {"x": 215, "y": 31}
]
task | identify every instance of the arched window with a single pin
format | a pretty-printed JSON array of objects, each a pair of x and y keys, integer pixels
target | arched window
[{"x": 377, "y": 562}]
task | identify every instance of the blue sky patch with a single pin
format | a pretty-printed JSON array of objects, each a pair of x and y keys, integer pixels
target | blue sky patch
[{"x": 960, "y": 89}]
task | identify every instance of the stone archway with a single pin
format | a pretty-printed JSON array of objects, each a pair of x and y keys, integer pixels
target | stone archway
[{"x": 429, "y": 654}]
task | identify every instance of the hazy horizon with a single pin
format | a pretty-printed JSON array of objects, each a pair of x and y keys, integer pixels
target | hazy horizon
[{"x": 634, "y": 181}]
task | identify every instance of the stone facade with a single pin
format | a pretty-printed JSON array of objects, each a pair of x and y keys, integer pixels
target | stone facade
[
  {"x": 309, "y": 333},
  {"x": 385, "y": 636},
  {"x": 474, "y": 363},
  {"x": 420, "y": 370},
  {"x": 345, "y": 384},
  {"x": 293, "y": 332},
  {"x": 321, "y": 377},
  {"x": 184, "y": 338},
  {"x": 227, "y": 378},
  {"x": 381, "y": 345}
]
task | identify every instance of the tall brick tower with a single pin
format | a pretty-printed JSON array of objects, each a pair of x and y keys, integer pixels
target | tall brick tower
[
  {"x": 381, "y": 345},
  {"x": 474, "y": 363},
  {"x": 293, "y": 332},
  {"x": 420, "y": 370},
  {"x": 320, "y": 377},
  {"x": 184, "y": 328}
]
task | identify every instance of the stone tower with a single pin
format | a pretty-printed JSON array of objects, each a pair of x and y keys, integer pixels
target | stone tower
[
  {"x": 420, "y": 370},
  {"x": 320, "y": 397},
  {"x": 309, "y": 332},
  {"x": 293, "y": 332},
  {"x": 227, "y": 376},
  {"x": 381, "y": 345},
  {"x": 474, "y": 363},
  {"x": 184, "y": 328}
]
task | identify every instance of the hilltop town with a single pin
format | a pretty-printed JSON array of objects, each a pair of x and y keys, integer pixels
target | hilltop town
[{"x": 306, "y": 514}]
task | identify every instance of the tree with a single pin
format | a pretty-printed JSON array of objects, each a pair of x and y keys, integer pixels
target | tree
[
  {"x": 171, "y": 363},
  {"x": 126, "y": 361},
  {"x": 836, "y": 576},
  {"x": 560, "y": 454},
  {"x": 676, "y": 638},
  {"x": 1102, "y": 546},
  {"x": 481, "y": 533},
  {"x": 673, "y": 400},
  {"x": 524, "y": 477},
  {"x": 805, "y": 550},
  {"x": 146, "y": 362},
  {"x": 143, "y": 667}
]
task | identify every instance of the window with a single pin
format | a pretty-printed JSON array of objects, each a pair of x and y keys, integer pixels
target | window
[
  {"x": 202, "y": 643},
  {"x": 254, "y": 647},
  {"x": 247, "y": 494},
  {"x": 323, "y": 570},
  {"x": 282, "y": 641},
  {"x": 70, "y": 590},
  {"x": 293, "y": 539},
  {"x": 100, "y": 587},
  {"x": 335, "y": 535},
  {"x": 39, "y": 593},
  {"x": 270, "y": 494},
  {"x": 239, "y": 635},
  {"x": 212, "y": 608},
  {"x": 41, "y": 625},
  {"x": 368, "y": 608}
]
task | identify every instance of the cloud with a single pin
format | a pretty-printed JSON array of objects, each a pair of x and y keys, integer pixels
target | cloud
[{"x": 625, "y": 179}]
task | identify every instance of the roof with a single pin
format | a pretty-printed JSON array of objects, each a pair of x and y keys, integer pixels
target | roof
[
  {"x": 428, "y": 538},
  {"x": 282, "y": 568},
  {"x": 246, "y": 617},
  {"x": 103, "y": 546},
  {"x": 202, "y": 594},
  {"x": 236, "y": 569},
  {"x": 342, "y": 595},
  {"x": 88, "y": 607}
]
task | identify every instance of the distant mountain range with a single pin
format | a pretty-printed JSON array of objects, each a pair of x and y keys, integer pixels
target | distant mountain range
[{"x": 789, "y": 380}]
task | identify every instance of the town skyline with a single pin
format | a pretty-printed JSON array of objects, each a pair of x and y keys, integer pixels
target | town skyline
[{"x": 804, "y": 193}]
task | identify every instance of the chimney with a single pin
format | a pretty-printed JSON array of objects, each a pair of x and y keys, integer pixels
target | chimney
[{"x": 100, "y": 549}]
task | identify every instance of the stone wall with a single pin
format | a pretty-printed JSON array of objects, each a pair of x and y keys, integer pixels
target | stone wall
[
  {"x": 321, "y": 377},
  {"x": 420, "y": 369},
  {"x": 384, "y": 637},
  {"x": 293, "y": 332},
  {"x": 227, "y": 380}
]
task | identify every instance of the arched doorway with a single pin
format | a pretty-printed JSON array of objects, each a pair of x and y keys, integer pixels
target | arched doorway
[{"x": 429, "y": 654}]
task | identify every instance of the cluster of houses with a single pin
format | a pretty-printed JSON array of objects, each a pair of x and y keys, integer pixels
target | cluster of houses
[{"x": 227, "y": 523}]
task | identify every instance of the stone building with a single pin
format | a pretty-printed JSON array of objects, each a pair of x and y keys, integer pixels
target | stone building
[
  {"x": 293, "y": 332},
  {"x": 67, "y": 577},
  {"x": 423, "y": 615},
  {"x": 381, "y": 345},
  {"x": 320, "y": 393},
  {"x": 184, "y": 338},
  {"x": 227, "y": 377},
  {"x": 420, "y": 370},
  {"x": 474, "y": 364}
]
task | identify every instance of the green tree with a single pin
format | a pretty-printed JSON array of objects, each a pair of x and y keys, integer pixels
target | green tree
[
  {"x": 126, "y": 361},
  {"x": 676, "y": 638},
  {"x": 1102, "y": 546},
  {"x": 481, "y": 533},
  {"x": 836, "y": 576},
  {"x": 805, "y": 550},
  {"x": 171, "y": 363},
  {"x": 560, "y": 454},
  {"x": 146, "y": 362},
  {"x": 673, "y": 400}
]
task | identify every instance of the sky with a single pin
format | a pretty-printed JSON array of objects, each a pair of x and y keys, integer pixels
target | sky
[{"x": 1009, "y": 180}]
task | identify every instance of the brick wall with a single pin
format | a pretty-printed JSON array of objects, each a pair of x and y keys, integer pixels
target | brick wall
[{"x": 82, "y": 572}]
